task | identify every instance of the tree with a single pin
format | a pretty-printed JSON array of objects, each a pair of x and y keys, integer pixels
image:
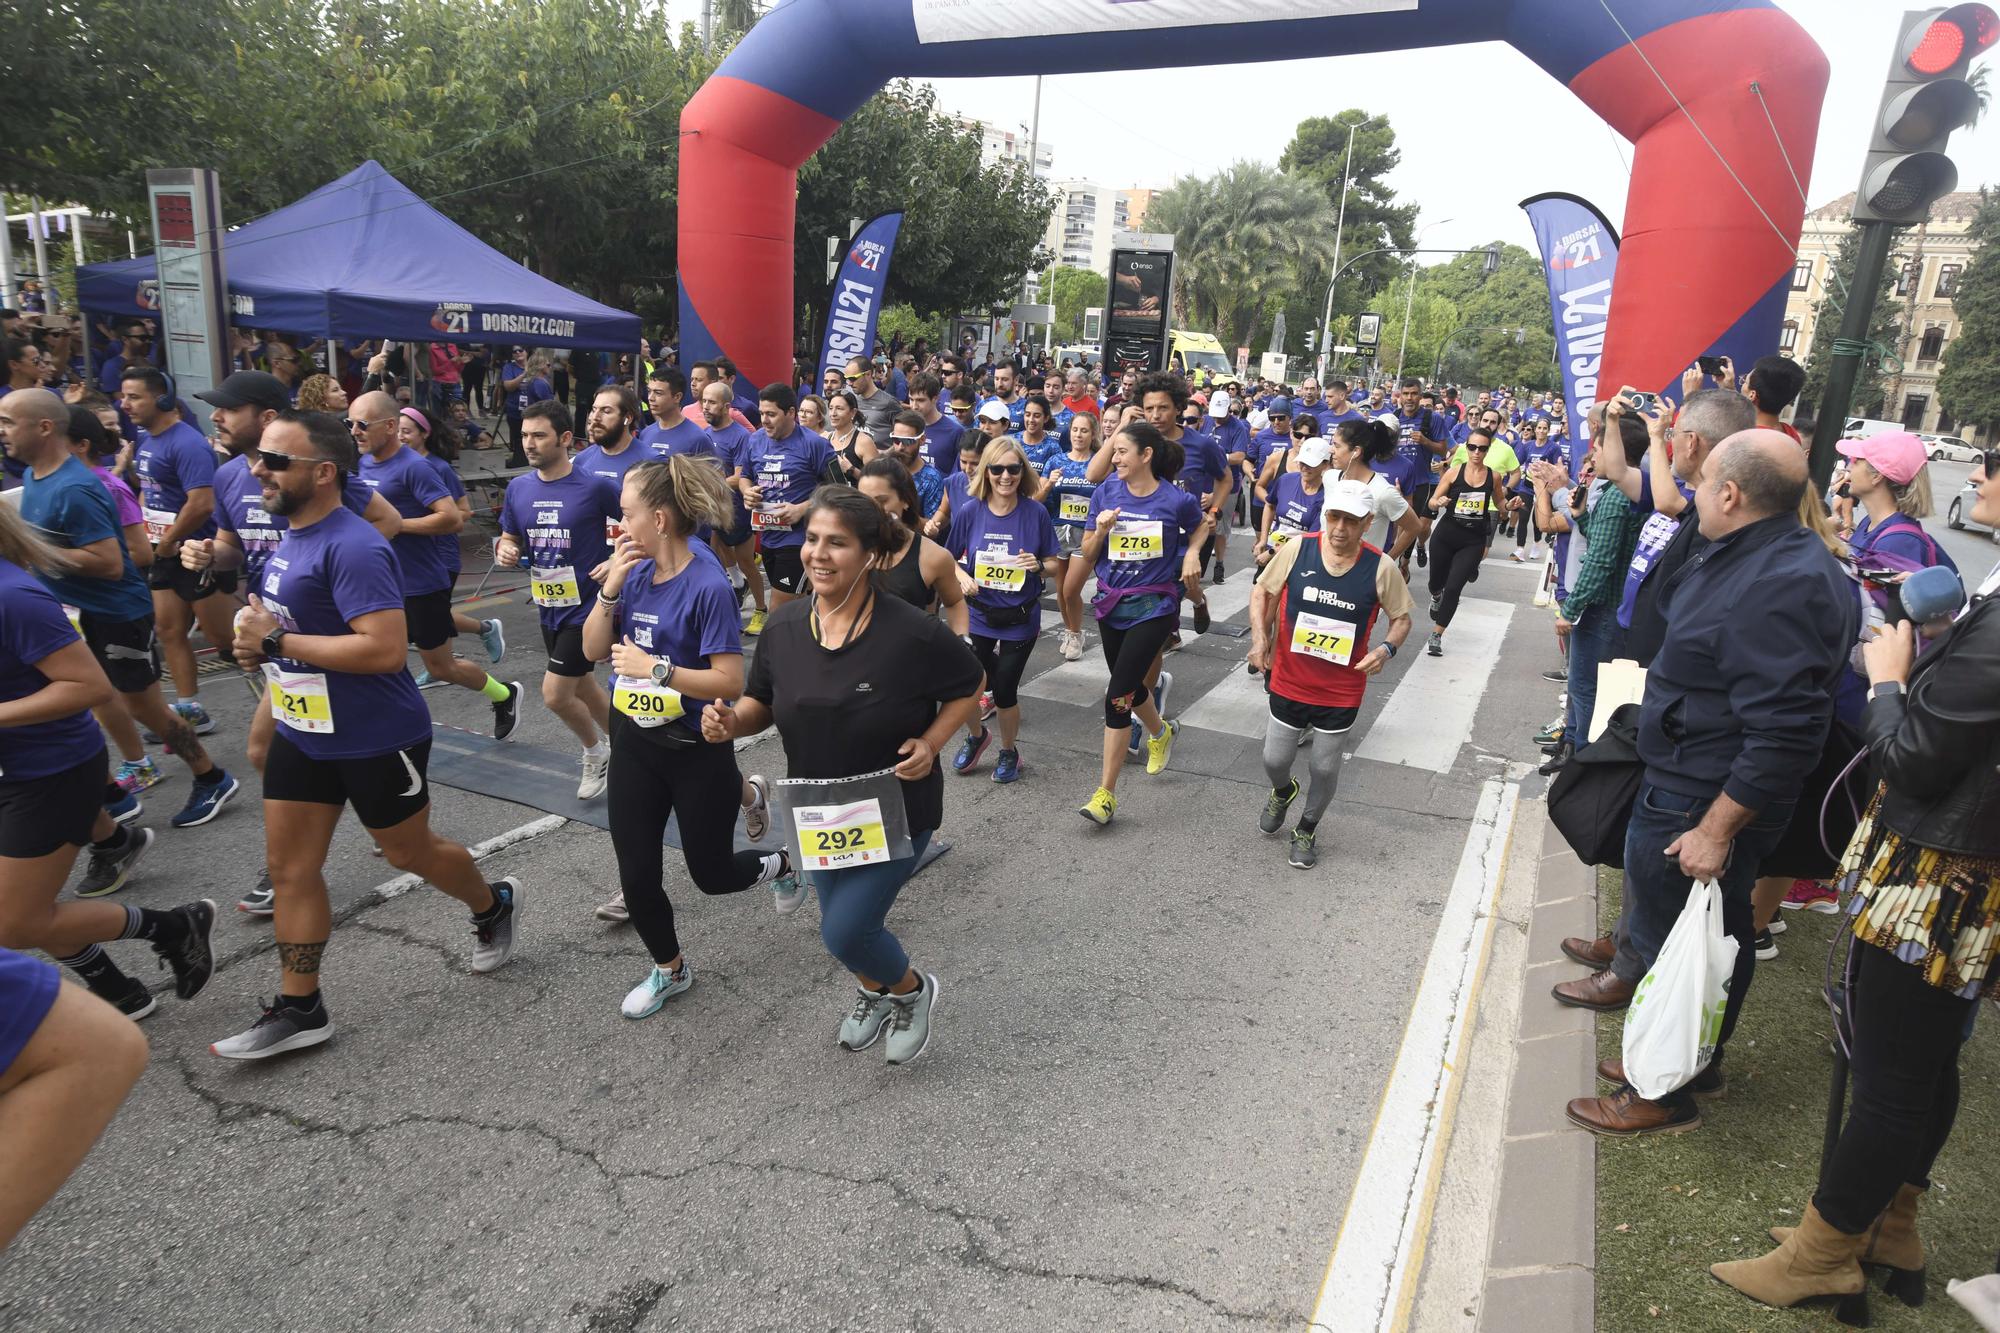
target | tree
[
  {"x": 1242, "y": 238},
  {"x": 1885, "y": 332},
  {"x": 1969, "y": 382},
  {"x": 1072, "y": 291},
  {"x": 1374, "y": 220},
  {"x": 1483, "y": 352}
]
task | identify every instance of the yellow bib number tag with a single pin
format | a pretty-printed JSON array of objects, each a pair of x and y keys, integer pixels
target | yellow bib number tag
[
  {"x": 1138, "y": 539},
  {"x": 1279, "y": 536},
  {"x": 1073, "y": 508},
  {"x": 299, "y": 699},
  {"x": 1470, "y": 506},
  {"x": 647, "y": 704},
  {"x": 1323, "y": 637},
  {"x": 554, "y": 587},
  {"x": 835, "y": 837},
  {"x": 987, "y": 572},
  {"x": 75, "y": 617}
]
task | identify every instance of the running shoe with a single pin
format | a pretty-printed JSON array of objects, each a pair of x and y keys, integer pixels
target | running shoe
[
  {"x": 1166, "y": 687},
  {"x": 1202, "y": 619},
  {"x": 909, "y": 1025},
  {"x": 205, "y": 801},
  {"x": 1517, "y": 557},
  {"x": 1813, "y": 896},
  {"x": 595, "y": 767},
  {"x": 260, "y": 901},
  {"x": 493, "y": 939},
  {"x": 1423, "y": 557},
  {"x": 426, "y": 681},
  {"x": 135, "y": 1001},
  {"x": 1101, "y": 806},
  {"x": 1276, "y": 807},
  {"x": 1160, "y": 748},
  {"x": 1305, "y": 850},
  {"x": 614, "y": 910},
  {"x": 192, "y": 956},
  {"x": 863, "y": 1023},
  {"x": 1137, "y": 745},
  {"x": 1435, "y": 645},
  {"x": 1007, "y": 766},
  {"x": 788, "y": 893},
  {"x": 1070, "y": 644},
  {"x": 1219, "y": 575},
  {"x": 644, "y": 1000},
  {"x": 757, "y": 814},
  {"x": 135, "y": 775},
  {"x": 507, "y": 713},
  {"x": 756, "y": 625},
  {"x": 282, "y": 1027},
  {"x": 1767, "y": 948},
  {"x": 125, "y": 809},
  {"x": 1550, "y": 734},
  {"x": 495, "y": 638},
  {"x": 1559, "y": 675},
  {"x": 191, "y": 713},
  {"x": 1778, "y": 926},
  {"x": 108, "y": 872},
  {"x": 969, "y": 752},
  {"x": 986, "y": 708}
]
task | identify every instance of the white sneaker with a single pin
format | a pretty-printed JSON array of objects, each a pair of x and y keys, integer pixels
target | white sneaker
[
  {"x": 614, "y": 910},
  {"x": 595, "y": 768},
  {"x": 788, "y": 893},
  {"x": 644, "y": 1000},
  {"x": 757, "y": 814},
  {"x": 1070, "y": 645}
]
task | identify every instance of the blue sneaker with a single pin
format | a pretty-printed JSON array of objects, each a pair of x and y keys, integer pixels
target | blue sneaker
[
  {"x": 205, "y": 802},
  {"x": 968, "y": 753},
  {"x": 125, "y": 809},
  {"x": 1007, "y": 766},
  {"x": 495, "y": 639}
]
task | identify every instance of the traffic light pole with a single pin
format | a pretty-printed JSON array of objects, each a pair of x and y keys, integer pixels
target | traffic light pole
[{"x": 1844, "y": 366}]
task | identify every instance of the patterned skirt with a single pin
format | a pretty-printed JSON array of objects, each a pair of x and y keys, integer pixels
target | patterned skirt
[{"x": 1937, "y": 911}]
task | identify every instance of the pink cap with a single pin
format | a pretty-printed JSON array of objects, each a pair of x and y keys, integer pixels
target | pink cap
[{"x": 1896, "y": 454}]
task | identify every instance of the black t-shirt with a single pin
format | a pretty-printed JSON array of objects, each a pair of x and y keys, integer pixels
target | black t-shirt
[
  {"x": 1649, "y": 621},
  {"x": 846, "y": 711}
]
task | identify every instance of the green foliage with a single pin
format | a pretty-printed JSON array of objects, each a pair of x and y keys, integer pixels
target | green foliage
[
  {"x": 1969, "y": 382},
  {"x": 1885, "y": 332},
  {"x": 904, "y": 319},
  {"x": 1072, "y": 291},
  {"x": 1374, "y": 219},
  {"x": 1242, "y": 240},
  {"x": 1465, "y": 322}
]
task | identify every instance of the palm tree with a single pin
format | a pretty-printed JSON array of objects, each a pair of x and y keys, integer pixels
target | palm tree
[
  {"x": 1242, "y": 238},
  {"x": 1977, "y": 81}
]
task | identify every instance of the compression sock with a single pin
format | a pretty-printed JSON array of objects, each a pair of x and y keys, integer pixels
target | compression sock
[
  {"x": 143, "y": 923},
  {"x": 494, "y": 690}
]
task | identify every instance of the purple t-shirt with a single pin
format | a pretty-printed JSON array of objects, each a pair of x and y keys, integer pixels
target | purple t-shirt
[
  {"x": 560, "y": 525},
  {"x": 1146, "y": 546},
  {"x": 32, "y": 626},
  {"x": 787, "y": 472},
  {"x": 941, "y": 439},
  {"x": 685, "y": 438},
  {"x": 1411, "y": 466},
  {"x": 121, "y": 496},
  {"x": 689, "y": 619},
  {"x": 1291, "y": 507},
  {"x": 239, "y": 508},
  {"x": 412, "y": 487},
  {"x": 728, "y": 440},
  {"x": 1205, "y": 465},
  {"x": 593, "y": 461},
  {"x": 321, "y": 578},
  {"x": 170, "y": 464},
  {"x": 987, "y": 545}
]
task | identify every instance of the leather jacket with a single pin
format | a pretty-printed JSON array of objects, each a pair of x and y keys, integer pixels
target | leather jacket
[{"x": 1937, "y": 745}]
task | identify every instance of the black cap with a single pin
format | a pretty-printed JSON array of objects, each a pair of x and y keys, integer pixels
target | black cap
[{"x": 249, "y": 388}]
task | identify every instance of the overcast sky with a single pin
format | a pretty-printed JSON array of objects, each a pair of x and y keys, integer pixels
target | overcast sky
[{"x": 1504, "y": 144}]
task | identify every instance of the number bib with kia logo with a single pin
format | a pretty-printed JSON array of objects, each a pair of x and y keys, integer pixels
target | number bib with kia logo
[
  {"x": 841, "y": 823},
  {"x": 1470, "y": 505},
  {"x": 1323, "y": 637},
  {"x": 647, "y": 704},
  {"x": 1073, "y": 508},
  {"x": 1138, "y": 539},
  {"x": 989, "y": 571},
  {"x": 555, "y": 586},
  {"x": 299, "y": 699}
]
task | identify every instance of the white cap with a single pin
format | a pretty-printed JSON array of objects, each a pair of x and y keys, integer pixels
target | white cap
[
  {"x": 1259, "y": 420},
  {"x": 1218, "y": 406},
  {"x": 1314, "y": 452},
  {"x": 994, "y": 410},
  {"x": 1349, "y": 497}
]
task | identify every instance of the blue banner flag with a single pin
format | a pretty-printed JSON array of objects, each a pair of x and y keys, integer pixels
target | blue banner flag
[
  {"x": 1579, "y": 258},
  {"x": 854, "y": 301}
]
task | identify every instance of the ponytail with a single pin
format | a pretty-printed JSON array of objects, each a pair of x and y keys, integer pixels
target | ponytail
[
  {"x": 686, "y": 486},
  {"x": 1371, "y": 437}
]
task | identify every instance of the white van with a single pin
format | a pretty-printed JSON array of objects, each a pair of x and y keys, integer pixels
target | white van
[{"x": 1860, "y": 428}]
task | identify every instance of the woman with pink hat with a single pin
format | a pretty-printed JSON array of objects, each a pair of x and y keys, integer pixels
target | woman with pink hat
[{"x": 1889, "y": 479}]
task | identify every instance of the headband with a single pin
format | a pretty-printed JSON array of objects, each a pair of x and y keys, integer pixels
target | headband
[{"x": 423, "y": 422}]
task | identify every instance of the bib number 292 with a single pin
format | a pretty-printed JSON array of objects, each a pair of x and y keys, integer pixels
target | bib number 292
[{"x": 837, "y": 837}]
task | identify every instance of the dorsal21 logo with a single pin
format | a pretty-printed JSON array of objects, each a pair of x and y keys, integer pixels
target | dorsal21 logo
[{"x": 452, "y": 317}]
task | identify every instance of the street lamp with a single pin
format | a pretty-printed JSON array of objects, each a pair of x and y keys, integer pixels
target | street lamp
[
  {"x": 1410, "y": 301},
  {"x": 1339, "y": 226}
]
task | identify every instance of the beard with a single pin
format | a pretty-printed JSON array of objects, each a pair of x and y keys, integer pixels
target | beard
[{"x": 282, "y": 504}]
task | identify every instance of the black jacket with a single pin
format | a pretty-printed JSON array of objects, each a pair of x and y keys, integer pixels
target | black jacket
[{"x": 1937, "y": 746}]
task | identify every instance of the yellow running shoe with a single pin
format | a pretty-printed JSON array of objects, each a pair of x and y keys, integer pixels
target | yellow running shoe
[
  {"x": 1100, "y": 807},
  {"x": 756, "y": 625},
  {"x": 1159, "y": 748}
]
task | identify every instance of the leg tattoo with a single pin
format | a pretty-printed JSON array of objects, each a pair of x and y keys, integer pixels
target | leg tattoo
[
  {"x": 301, "y": 959},
  {"x": 180, "y": 737}
]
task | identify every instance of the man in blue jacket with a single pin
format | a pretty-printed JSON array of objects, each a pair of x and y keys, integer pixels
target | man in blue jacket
[{"x": 1737, "y": 703}]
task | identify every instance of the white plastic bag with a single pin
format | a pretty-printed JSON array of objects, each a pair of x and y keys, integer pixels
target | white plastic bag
[{"x": 1676, "y": 1013}]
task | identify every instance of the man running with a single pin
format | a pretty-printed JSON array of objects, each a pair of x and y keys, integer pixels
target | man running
[
  {"x": 672, "y": 431},
  {"x": 1311, "y": 616},
  {"x": 776, "y": 472},
  {"x": 556, "y": 518},
  {"x": 878, "y": 409},
  {"x": 428, "y": 510},
  {"x": 1420, "y": 442},
  {"x": 1204, "y": 474},
  {"x": 941, "y": 433},
  {"x": 327, "y": 625},
  {"x": 613, "y": 449},
  {"x": 736, "y": 548},
  {"x": 176, "y": 470}
]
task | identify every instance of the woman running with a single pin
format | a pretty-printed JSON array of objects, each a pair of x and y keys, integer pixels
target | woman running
[
  {"x": 1292, "y": 502},
  {"x": 666, "y": 620},
  {"x": 1037, "y": 419},
  {"x": 1143, "y": 536},
  {"x": 1357, "y": 445},
  {"x": 916, "y": 569},
  {"x": 1005, "y": 544},
  {"x": 853, "y": 447},
  {"x": 812, "y": 413},
  {"x": 1066, "y": 489},
  {"x": 819, "y": 656},
  {"x": 1468, "y": 495}
]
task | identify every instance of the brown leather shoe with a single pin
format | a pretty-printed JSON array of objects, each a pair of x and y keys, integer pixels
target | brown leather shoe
[
  {"x": 1594, "y": 954},
  {"x": 1625, "y": 1115},
  {"x": 1603, "y": 991},
  {"x": 1708, "y": 1083}
]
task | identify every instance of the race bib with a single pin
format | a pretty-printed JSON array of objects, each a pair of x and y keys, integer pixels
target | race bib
[
  {"x": 299, "y": 699},
  {"x": 75, "y": 618},
  {"x": 1138, "y": 539},
  {"x": 1279, "y": 536},
  {"x": 647, "y": 704},
  {"x": 1323, "y": 637},
  {"x": 1470, "y": 505},
  {"x": 554, "y": 587},
  {"x": 988, "y": 572},
  {"x": 835, "y": 837},
  {"x": 157, "y": 523},
  {"x": 1073, "y": 508},
  {"x": 766, "y": 520}
]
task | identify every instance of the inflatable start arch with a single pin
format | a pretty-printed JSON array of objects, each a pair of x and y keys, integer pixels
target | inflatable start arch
[{"x": 1709, "y": 231}]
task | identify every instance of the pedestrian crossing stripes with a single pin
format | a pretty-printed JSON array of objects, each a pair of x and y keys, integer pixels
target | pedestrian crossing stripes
[{"x": 1431, "y": 710}]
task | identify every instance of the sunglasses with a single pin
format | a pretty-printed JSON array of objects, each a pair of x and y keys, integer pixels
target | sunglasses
[
  {"x": 1989, "y": 463},
  {"x": 1477, "y": 448},
  {"x": 275, "y": 462},
  {"x": 1190, "y": 421},
  {"x": 1004, "y": 469},
  {"x": 1302, "y": 435},
  {"x": 906, "y": 439},
  {"x": 358, "y": 426}
]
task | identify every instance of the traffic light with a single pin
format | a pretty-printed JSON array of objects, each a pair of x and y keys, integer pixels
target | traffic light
[
  {"x": 1925, "y": 98},
  {"x": 1312, "y": 340}
]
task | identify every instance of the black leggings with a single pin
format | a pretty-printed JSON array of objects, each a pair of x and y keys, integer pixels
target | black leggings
[
  {"x": 702, "y": 786},
  {"x": 1524, "y": 522},
  {"x": 1905, "y": 1071},
  {"x": 1456, "y": 549},
  {"x": 1003, "y": 661},
  {"x": 1130, "y": 653}
]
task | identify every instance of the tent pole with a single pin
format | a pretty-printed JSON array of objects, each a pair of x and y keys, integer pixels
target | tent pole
[{"x": 6, "y": 256}]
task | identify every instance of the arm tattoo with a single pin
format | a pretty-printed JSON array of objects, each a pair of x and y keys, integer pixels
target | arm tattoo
[
  {"x": 301, "y": 959},
  {"x": 180, "y": 736}
]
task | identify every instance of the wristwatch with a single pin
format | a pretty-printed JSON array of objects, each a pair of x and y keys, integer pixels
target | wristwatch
[
  {"x": 663, "y": 671},
  {"x": 1885, "y": 687},
  {"x": 273, "y": 643},
  {"x": 1391, "y": 647}
]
